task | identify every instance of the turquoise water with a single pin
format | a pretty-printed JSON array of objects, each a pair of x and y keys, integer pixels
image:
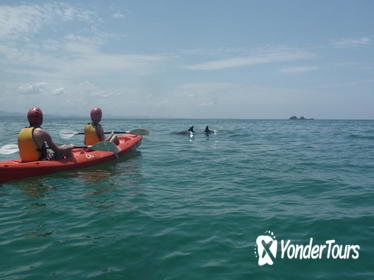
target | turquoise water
[{"x": 182, "y": 208}]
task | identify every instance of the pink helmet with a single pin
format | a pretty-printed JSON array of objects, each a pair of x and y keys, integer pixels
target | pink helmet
[
  {"x": 35, "y": 115},
  {"x": 96, "y": 114}
]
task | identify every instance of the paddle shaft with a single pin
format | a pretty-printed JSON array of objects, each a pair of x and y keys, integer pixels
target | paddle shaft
[
  {"x": 106, "y": 132},
  {"x": 95, "y": 147},
  {"x": 15, "y": 150},
  {"x": 75, "y": 147},
  {"x": 67, "y": 134}
]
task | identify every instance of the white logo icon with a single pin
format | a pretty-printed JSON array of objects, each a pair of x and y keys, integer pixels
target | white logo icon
[
  {"x": 266, "y": 249},
  {"x": 267, "y": 245}
]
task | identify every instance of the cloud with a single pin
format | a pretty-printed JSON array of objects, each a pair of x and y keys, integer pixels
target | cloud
[
  {"x": 118, "y": 15},
  {"x": 75, "y": 56},
  {"x": 190, "y": 99},
  {"x": 75, "y": 44},
  {"x": 60, "y": 51},
  {"x": 40, "y": 88},
  {"x": 32, "y": 89},
  {"x": 19, "y": 20},
  {"x": 89, "y": 90},
  {"x": 217, "y": 100},
  {"x": 356, "y": 65},
  {"x": 345, "y": 84},
  {"x": 58, "y": 91},
  {"x": 346, "y": 43},
  {"x": 104, "y": 65},
  {"x": 270, "y": 57},
  {"x": 192, "y": 90},
  {"x": 299, "y": 69}
]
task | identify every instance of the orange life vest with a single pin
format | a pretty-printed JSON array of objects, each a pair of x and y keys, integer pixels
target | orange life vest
[
  {"x": 28, "y": 150},
  {"x": 90, "y": 134}
]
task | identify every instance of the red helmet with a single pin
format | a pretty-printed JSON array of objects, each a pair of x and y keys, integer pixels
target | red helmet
[
  {"x": 96, "y": 114},
  {"x": 35, "y": 115}
]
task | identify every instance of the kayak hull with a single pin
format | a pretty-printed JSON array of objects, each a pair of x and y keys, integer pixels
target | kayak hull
[{"x": 81, "y": 158}]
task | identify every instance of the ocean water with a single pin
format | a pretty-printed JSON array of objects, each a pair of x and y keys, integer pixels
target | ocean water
[{"x": 181, "y": 208}]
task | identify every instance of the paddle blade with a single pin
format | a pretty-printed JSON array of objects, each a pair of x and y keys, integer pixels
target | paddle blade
[
  {"x": 105, "y": 147},
  {"x": 139, "y": 131},
  {"x": 9, "y": 149},
  {"x": 67, "y": 133}
]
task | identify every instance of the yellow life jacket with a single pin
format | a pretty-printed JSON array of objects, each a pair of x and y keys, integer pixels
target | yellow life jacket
[
  {"x": 28, "y": 150},
  {"x": 90, "y": 134}
]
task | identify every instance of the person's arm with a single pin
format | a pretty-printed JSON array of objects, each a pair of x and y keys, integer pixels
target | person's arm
[
  {"x": 45, "y": 137},
  {"x": 100, "y": 132},
  {"x": 60, "y": 152}
]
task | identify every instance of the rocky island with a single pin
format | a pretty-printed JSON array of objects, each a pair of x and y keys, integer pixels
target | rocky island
[{"x": 301, "y": 118}]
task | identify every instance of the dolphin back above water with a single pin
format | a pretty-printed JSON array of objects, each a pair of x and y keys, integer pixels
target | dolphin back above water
[
  {"x": 191, "y": 132},
  {"x": 208, "y": 131}
]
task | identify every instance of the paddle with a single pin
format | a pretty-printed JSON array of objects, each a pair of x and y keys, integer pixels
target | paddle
[
  {"x": 9, "y": 149},
  {"x": 67, "y": 134},
  {"x": 100, "y": 146}
]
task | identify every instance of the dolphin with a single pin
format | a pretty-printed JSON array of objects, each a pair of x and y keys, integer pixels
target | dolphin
[{"x": 189, "y": 131}]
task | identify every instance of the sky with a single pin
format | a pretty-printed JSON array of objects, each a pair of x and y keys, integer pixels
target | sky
[{"x": 189, "y": 59}]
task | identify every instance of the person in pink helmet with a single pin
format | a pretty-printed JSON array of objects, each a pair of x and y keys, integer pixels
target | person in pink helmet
[
  {"x": 33, "y": 140},
  {"x": 94, "y": 132}
]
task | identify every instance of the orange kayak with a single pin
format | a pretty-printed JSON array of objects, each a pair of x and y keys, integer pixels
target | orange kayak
[{"x": 81, "y": 158}]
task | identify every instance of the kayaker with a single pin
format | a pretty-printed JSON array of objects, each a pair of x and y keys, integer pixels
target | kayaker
[
  {"x": 94, "y": 132},
  {"x": 32, "y": 140}
]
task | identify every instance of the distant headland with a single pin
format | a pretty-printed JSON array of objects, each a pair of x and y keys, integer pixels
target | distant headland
[{"x": 301, "y": 118}]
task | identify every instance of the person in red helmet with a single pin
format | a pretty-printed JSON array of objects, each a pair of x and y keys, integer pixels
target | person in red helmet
[
  {"x": 32, "y": 140},
  {"x": 94, "y": 132}
]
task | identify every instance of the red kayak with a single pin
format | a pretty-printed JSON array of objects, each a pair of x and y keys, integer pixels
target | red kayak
[{"x": 81, "y": 158}]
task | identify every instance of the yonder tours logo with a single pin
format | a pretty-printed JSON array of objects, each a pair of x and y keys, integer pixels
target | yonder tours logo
[{"x": 267, "y": 246}]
